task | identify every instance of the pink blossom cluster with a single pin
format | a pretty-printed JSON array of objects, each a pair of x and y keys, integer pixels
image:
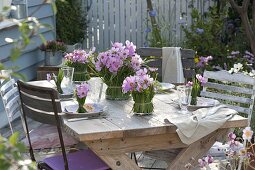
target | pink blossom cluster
[
  {"x": 82, "y": 90},
  {"x": 118, "y": 56},
  {"x": 139, "y": 82},
  {"x": 205, "y": 161},
  {"x": 201, "y": 79},
  {"x": 79, "y": 56}
]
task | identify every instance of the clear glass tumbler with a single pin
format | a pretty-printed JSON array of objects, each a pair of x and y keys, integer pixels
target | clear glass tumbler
[
  {"x": 67, "y": 82},
  {"x": 184, "y": 96}
]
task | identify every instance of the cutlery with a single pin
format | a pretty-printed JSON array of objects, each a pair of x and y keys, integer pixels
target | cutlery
[{"x": 84, "y": 118}]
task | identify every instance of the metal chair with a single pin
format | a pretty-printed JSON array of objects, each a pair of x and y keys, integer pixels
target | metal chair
[
  {"x": 43, "y": 105},
  {"x": 11, "y": 101}
]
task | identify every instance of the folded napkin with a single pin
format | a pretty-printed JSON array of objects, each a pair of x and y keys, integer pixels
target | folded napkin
[
  {"x": 203, "y": 122},
  {"x": 172, "y": 70}
]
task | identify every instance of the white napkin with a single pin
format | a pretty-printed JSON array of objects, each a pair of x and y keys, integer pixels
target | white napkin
[
  {"x": 172, "y": 70},
  {"x": 203, "y": 122}
]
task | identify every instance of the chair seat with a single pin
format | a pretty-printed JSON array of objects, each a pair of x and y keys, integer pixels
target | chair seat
[
  {"x": 46, "y": 136},
  {"x": 79, "y": 160}
]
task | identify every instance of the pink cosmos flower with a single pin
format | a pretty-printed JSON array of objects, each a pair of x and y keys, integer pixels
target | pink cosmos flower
[
  {"x": 201, "y": 79},
  {"x": 82, "y": 90},
  {"x": 231, "y": 136},
  {"x": 189, "y": 84}
]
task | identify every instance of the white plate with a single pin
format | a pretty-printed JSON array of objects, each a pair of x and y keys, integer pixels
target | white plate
[
  {"x": 92, "y": 110},
  {"x": 203, "y": 102},
  {"x": 166, "y": 86}
]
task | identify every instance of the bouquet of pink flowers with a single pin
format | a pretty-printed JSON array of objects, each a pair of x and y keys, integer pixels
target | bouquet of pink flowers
[
  {"x": 79, "y": 59},
  {"x": 115, "y": 65},
  {"x": 141, "y": 86},
  {"x": 81, "y": 93}
]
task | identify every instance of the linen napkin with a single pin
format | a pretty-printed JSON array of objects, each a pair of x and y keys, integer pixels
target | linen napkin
[
  {"x": 203, "y": 122},
  {"x": 172, "y": 70}
]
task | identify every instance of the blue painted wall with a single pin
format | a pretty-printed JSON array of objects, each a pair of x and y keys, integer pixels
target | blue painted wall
[{"x": 31, "y": 57}]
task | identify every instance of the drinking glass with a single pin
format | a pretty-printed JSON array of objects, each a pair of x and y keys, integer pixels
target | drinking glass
[
  {"x": 184, "y": 96},
  {"x": 67, "y": 82},
  {"x": 96, "y": 87}
]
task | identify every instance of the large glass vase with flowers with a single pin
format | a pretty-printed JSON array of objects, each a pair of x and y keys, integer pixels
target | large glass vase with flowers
[
  {"x": 79, "y": 60},
  {"x": 115, "y": 65},
  {"x": 141, "y": 86},
  {"x": 81, "y": 93}
]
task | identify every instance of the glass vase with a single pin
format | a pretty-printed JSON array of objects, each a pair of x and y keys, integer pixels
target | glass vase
[
  {"x": 143, "y": 102},
  {"x": 80, "y": 71},
  {"x": 195, "y": 91},
  {"x": 115, "y": 93},
  {"x": 81, "y": 102}
]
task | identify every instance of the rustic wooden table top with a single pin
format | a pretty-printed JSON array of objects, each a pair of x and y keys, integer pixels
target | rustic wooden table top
[{"x": 121, "y": 132}]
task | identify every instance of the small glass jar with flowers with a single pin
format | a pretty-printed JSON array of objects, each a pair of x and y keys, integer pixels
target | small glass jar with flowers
[
  {"x": 53, "y": 52},
  {"x": 57, "y": 79},
  {"x": 115, "y": 65},
  {"x": 81, "y": 93},
  {"x": 196, "y": 87},
  {"x": 141, "y": 87},
  {"x": 79, "y": 60}
]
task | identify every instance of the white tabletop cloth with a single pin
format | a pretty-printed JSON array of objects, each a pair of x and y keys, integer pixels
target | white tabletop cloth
[
  {"x": 172, "y": 70},
  {"x": 203, "y": 122}
]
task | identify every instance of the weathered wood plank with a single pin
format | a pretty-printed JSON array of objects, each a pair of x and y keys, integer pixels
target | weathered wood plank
[
  {"x": 226, "y": 97},
  {"x": 229, "y": 88},
  {"x": 226, "y": 76}
]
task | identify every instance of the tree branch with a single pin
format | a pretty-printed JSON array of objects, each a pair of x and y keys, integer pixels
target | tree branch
[
  {"x": 245, "y": 5},
  {"x": 235, "y": 6}
]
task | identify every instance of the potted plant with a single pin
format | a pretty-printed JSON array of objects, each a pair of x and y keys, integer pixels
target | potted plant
[
  {"x": 115, "y": 65},
  {"x": 71, "y": 26},
  {"x": 79, "y": 60},
  {"x": 53, "y": 52}
]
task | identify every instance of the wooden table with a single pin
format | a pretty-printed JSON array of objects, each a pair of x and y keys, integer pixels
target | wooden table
[{"x": 122, "y": 132}]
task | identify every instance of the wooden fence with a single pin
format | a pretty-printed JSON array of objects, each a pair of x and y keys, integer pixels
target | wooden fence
[{"x": 120, "y": 20}]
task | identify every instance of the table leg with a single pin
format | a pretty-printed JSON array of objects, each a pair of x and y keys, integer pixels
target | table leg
[
  {"x": 196, "y": 150},
  {"x": 119, "y": 162}
]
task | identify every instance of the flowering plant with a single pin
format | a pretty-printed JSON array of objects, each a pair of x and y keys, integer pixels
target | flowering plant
[
  {"x": 141, "y": 86},
  {"x": 196, "y": 85},
  {"x": 79, "y": 60},
  {"x": 53, "y": 46},
  {"x": 57, "y": 79},
  {"x": 239, "y": 152},
  {"x": 81, "y": 93},
  {"x": 115, "y": 65}
]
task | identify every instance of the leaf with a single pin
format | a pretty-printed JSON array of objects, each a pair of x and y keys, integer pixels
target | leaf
[
  {"x": 19, "y": 76},
  {"x": 42, "y": 38},
  {"x": 14, "y": 138},
  {"x": 15, "y": 53},
  {"x": 54, "y": 7}
]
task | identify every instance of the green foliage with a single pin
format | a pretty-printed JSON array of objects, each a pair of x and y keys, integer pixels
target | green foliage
[
  {"x": 70, "y": 22},
  {"x": 213, "y": 34},
  {"x": 10, "y": 154},
  {"x": 58, "y": 80}
]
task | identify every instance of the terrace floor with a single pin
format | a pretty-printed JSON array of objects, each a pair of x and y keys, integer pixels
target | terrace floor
[{"x": 143, "y": 161}]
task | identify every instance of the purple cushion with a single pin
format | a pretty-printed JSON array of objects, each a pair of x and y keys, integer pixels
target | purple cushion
[
  {"x": 46, "y": 136},
  {"x": 80, "y": 160}
]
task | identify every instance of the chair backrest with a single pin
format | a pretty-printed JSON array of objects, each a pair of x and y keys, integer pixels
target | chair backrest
[
  {"x": 11, "y": 100},
  {"x": 187, "y": 56},
  {"x": 237, "y": 91},
  {"x": 41, "y": 104},
  {"x": 44, "y": 70}
]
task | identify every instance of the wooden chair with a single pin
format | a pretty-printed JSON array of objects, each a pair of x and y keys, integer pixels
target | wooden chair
[
  {"x": 187, "y": 56},
  {"x": 43, "y": 70},
  {"x": 43, "y": 105},
  {"x": 237, "y": 91}
]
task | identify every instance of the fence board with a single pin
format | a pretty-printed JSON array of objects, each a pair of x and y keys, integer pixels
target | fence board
[{"x": 120, "y": 20}]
